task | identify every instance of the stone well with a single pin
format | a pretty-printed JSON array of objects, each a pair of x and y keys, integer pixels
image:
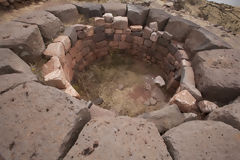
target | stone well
[{"x": 41, "y": 122}]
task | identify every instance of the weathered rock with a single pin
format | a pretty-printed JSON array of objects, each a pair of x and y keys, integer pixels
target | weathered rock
[
  {"x": 189, "y": 116},
  {"x": 53, "y": 73},
  {"x": 108, "y": 137},
  {"x": 99, "y": 21},
  {"x": 217, "y": 74},
  {"x": 71, "y": 32},
  {"x": 137, "y": 14},
  {"x": 90, "y": 9},
  {"x": 98, "y": 112},
  {"x": 229, "y": 114},
  {"x": 71, "y": 91},
  {"x": 25, "y": 40},
  {"x": 153, "y": 26},
  {"x": 165, "y": 118},
  {"x": 67, "y": 13},
  {"x": 108, "y": 17},
  {"x": 147, "y": 32},
  {"x": 10, "y": 63},
  {"x": 200, "y": 140},
  {"x": 182, "y": 30},
  {"x": 36, "y": 115},
  {"x": 206, "y": 106},
  {"x": 117, "y": 9},
  {"x": 9, "y": 81},
  {"x": 120, "y": 22},
  {"x": 187, "y": 82},
  {"x": 159, "y": 16},
  {"x": 159, "y": 80},
  {"x": 65, "y": 40},
  {"x": 55, "y": 49},
  {"x": 48, "y": 24},
  {"x": 154, "y": 36},
  {"x": 201, "y": 39},
  {"x": 185, "y": 101}
]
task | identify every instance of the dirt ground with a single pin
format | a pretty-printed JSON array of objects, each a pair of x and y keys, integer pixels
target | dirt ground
[{"x": 124, "y": 83}]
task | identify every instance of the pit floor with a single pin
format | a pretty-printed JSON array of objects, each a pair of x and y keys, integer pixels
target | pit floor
[{"x": 125, "y": 84}]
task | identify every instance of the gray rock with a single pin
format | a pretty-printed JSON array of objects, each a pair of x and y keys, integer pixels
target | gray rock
[
  {"x": 229, "y": 114},
  {"x": 9, "y": 81},
  {"x": 110, "y": 137},
  {"x": 67, "y": 13},
  {"x": 201, "y": 39},
  {"x": 217, "y": 74},
  {"x": 159, "y": 16},
  {"x": 180, "y": 28},
  {"x": 39, "y": 121},
  {"x": 24, "y": 39},
  {"x": 11, "y": 63},
  {"x": 137, "y": 14},
  {"x": 90, "y": 9},
  {"x": 189, "y": 116},
  {"x": 117, "y": 9},
  {"x": 71, "y": 32},
  {"x": 200, "y": 140},
  {"x": 48, "y": 24},
  {"x": 165, "y": 118}
]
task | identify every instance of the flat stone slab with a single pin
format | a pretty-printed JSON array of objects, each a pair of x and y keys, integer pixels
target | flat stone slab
[
  {"x": 48, "y": 24},
  {"x": 90, "y": 9},
  {"x": 200, "y": 140},
  {"x": 117, "y": 9},
  {"x": 229, "y": 114},
  {"x": 39, "y": 122},
  {"x": 137, "y": 14},
  {"x": 119, "y": 138},
  {"x": 180, "y": 28},
  {"x": 24, "y": 39},
  {"x": 165, "y": 118},
  {"x": 67, "y": 13},
  {"x": 217, "y": 74},
  {"x": 159, "y": 16},
  {"x": 11, "y": 63},
  {"x": 201, "y": 39}
]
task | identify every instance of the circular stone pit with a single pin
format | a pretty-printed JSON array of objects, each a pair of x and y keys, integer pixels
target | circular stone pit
[{"x": 194, "y": 63}]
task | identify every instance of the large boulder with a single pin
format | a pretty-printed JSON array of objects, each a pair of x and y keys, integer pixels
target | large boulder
[
  {"x": 200, "y": 140},
  {"x": 201, "y": 39},
  {"x": 165, "y": 118},
  {"x": 180, "y": 28},
  {"x": 48, "y": 24},
  {"x": 39, "y": 122},
  {"x": 11, "y": 63},
  {"x": 159, "y": 16},
  {"x": 24, "y": 39},
  {"x": 90, "y": 9},
  {"x": 229, "y": 114},
  {"x": 67, "y": 13},
  {"x": 13, "y": 70},
  {"x": 119, "y": 138},
  {"x": 137, "y": 14},
  {"x": 217, "y": 74},
  {"x": 117, "y": 9}
]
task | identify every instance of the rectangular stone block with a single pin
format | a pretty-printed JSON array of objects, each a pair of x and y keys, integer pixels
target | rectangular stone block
[
  {"x": 120, "y": 22},
  {"x": 136, "y": 28},
  {"x": 99, "y": 21}
]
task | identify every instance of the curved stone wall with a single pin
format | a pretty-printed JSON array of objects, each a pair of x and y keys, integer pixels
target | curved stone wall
[{"x": 197, "y": 64}]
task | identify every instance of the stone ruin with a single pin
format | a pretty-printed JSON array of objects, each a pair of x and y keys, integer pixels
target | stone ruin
[{"x": 50, "y": 121}]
